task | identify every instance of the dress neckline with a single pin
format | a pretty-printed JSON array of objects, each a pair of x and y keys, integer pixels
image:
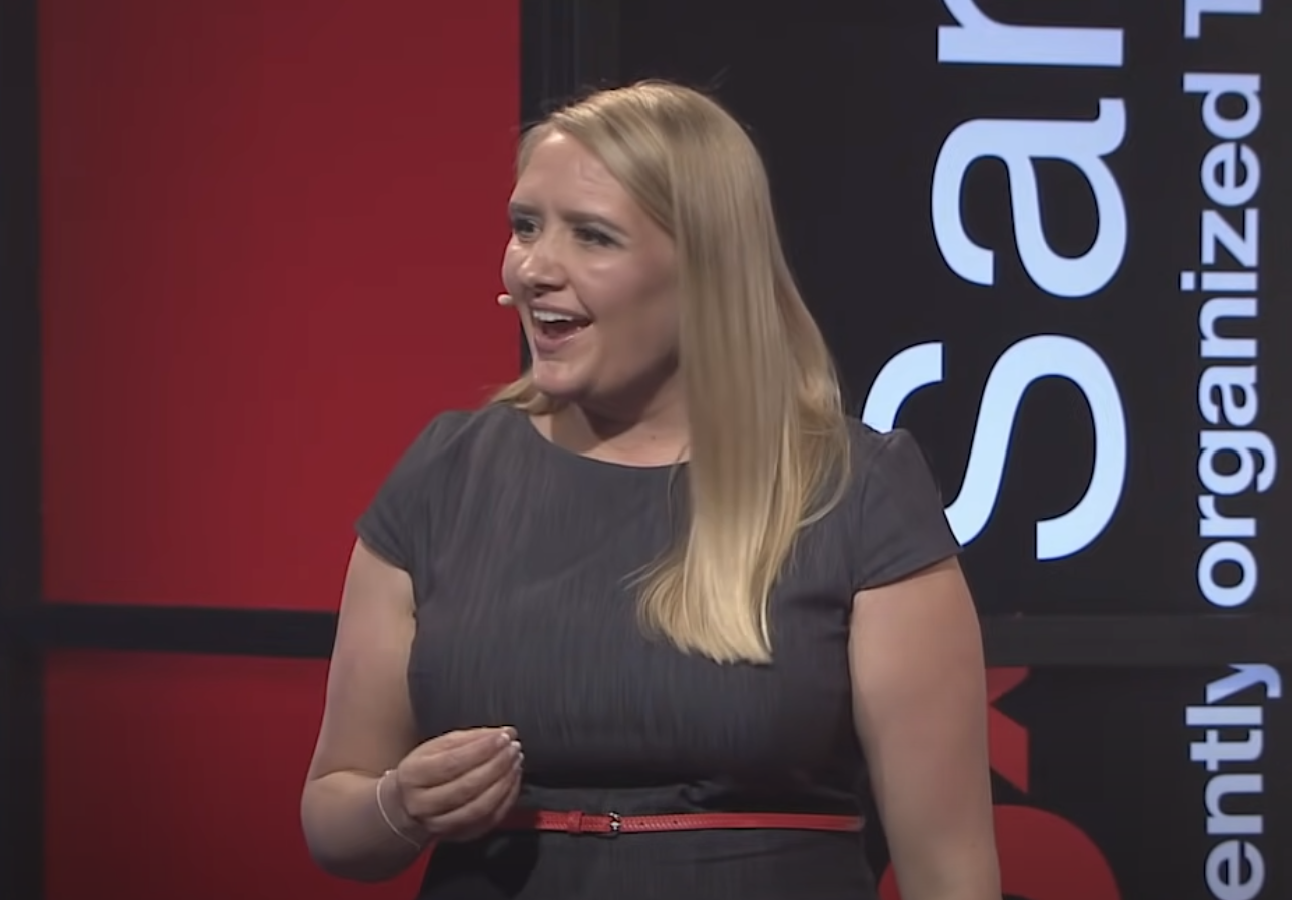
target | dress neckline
[{"x": 525, "y": 421}]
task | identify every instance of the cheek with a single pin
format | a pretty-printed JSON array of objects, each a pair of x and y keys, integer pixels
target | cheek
[
  {"x": 643, "y": 324},
  {"x": 511, "y": 262}
]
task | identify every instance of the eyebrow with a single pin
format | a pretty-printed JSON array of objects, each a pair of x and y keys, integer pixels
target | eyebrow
[{"x": 573, "y": 217}]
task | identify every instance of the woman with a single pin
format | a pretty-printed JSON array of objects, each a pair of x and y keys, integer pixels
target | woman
[{"x": 656, "y": 620}]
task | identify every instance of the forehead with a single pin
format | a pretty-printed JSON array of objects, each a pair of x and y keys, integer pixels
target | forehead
[{"x": 560, "y": 169}]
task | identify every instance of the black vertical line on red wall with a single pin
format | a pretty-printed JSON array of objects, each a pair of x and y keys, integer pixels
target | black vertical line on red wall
[{"x": 21, "y": 771}]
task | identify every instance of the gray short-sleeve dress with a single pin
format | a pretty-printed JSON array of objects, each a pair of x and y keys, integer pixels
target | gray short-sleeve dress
[{"x": 519, "y": 551}]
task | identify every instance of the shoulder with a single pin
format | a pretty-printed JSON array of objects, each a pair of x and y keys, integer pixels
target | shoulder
[
  {"x": 452, "y": 435},
  {"x": 894, "y": 507},
  {"x": 450, "y": 444},
  {"x": 427, "y": 474},
  {"x": 879, "y": 458}
]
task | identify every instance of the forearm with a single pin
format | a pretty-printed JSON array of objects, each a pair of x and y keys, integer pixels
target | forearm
[
  {"x": 939, "y": 859},
  {"x": 978, "y": 889},
  {"x": 346, "y": 833},
  {"x": 963, "y": 893},
  {"x": 972, "y": 892},
  {"x": 973, "y": 878}
]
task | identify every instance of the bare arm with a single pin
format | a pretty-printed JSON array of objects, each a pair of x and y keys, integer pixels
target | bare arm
[
  {"x": 920, "y": 708},
  {"x": 367, "y": 728}
]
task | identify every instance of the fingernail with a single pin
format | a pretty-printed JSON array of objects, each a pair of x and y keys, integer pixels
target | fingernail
[
  {"x": 504, "y": 739},
  {"x": 515, "y": 746}
]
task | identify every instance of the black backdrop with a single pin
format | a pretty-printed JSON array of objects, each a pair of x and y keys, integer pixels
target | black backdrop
[{"x": 852, "y": 108}]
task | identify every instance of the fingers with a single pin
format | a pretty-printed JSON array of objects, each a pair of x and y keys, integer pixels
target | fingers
[
  {"x": 465, "y": 788},
  {"x": 481, "y": 813},
  {"x": 453, "y": 755},
  {"x": 467, "y": 736},
  {"x": 458, "y": 781},
  {"x": 510, "y": 800}
]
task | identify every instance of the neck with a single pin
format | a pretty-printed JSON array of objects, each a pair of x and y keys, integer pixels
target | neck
[{"x": 647, "y": 431}]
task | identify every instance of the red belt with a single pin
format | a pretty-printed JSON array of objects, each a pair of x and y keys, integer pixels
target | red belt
[{"x": 613, "y": 823}]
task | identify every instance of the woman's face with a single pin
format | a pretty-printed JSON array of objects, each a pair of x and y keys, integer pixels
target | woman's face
[{"x": 594, "y": 279}]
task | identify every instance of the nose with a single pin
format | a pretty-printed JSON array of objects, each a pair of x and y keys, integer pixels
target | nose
[{"x": 541, "y": 270}]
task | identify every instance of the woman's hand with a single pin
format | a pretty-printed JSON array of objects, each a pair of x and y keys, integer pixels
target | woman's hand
[{"x": 458, "y": 786}]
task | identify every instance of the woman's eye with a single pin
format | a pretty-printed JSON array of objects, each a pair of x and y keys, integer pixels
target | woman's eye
[
  {"x": 594, "y": 236},
  {"x": 523, "y": 228}
]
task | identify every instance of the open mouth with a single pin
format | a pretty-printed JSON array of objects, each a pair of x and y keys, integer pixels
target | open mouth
[{"x": 555, "y": 326}]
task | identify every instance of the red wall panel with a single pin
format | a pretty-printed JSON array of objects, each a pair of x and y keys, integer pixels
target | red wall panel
[
  {"x": 271, "y": 238},
  {"x": 172, "y": 776}
]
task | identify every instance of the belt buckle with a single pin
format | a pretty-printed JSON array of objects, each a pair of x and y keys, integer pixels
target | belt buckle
[{"x": 616, "y": 824}]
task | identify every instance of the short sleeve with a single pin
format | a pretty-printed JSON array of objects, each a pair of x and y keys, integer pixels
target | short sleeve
[
  {"x": 395, "y": 522},
  {"x": 902, "y": 526}
]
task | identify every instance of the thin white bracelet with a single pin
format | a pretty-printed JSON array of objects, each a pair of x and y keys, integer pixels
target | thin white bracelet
[{"x": 381, "y": 808}]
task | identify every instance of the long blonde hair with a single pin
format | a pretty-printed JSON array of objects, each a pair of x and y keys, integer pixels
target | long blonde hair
[{"x": 768, "y": 436}]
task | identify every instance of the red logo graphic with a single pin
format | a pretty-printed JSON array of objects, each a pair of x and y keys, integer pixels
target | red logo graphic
[{"x": 1042, "y": 855}]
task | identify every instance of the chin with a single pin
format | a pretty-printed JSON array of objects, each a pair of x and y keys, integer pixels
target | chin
[{"x": 560, "y": 385}]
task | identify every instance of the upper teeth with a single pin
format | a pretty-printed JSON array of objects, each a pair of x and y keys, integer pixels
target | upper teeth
[{"x": 543, "y": 315}]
